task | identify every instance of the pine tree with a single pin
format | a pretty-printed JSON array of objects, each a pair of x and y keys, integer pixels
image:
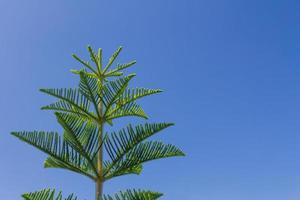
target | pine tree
[{"x": 87, "y": 146}]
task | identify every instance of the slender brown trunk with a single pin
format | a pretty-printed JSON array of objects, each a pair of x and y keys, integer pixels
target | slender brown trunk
[
  {"x": 99, "y": 181},
  {"x": 99, "y": 189}
]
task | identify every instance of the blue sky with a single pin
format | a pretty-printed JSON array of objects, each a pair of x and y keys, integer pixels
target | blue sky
[{"x": 229, "y": 68}]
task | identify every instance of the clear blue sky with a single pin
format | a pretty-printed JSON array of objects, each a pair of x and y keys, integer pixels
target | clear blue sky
[{"x": 230, "y": 69}]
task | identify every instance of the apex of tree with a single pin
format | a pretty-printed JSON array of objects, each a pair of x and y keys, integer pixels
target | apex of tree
[{"x": 87, "y": 146}]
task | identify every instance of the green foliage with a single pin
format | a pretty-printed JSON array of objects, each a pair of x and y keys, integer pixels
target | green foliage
[
  {"x": 46, "y": 194},
  {"x": 133, "y": 195},
  {"x": 86, "y": 146}
]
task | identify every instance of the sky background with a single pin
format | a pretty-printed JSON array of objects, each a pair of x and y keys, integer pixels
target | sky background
[{"x": 229, "y": 68}]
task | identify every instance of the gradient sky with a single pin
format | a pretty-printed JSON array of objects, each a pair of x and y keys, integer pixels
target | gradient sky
[{"x": 229, "y": 68}]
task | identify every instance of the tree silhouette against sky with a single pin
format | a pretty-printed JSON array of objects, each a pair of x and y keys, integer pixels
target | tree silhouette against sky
[{"x": 87, "y": 146}]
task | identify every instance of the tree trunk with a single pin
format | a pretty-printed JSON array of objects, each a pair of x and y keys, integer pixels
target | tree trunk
[
  {"x": 99, "y": 189},
  {"x": 99, "y": 182}
]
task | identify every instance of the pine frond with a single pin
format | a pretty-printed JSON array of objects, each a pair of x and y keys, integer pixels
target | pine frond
[
  {"x": 112, "y": 59},
  {"x": 89, "y": 74},
  {"x": 119, "y": 68},
  {"x": 129, "y": 109},
  {"x": 137, "y": 169},
  {"x": 130, "y": 95},
  {"x": 61, "y": 153},
  {"x": 125, "y": 66},
  {"x": 46, "y": 194},
  {"x": 65, "y": 107},
  {"x": 71, "y": 101},
  {"x": 133, "y": 195},
  {"x": 99, "y": 55},
  {"x": 96, "y": 59},
  {"x": 89, "y": 87},
  {"x": 81, "y": 135},
  {"x": 85, "y": 168},
  {"x": 117, "y": 145},
  {"x": 86, "y": 64},
  {"x": 142, "y": 153},
  {"x": 113, "y": 90}
]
